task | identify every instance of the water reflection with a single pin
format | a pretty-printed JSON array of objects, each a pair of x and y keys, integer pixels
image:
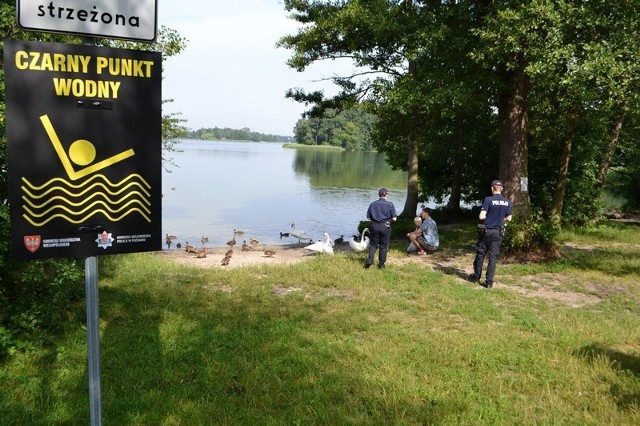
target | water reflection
[
  {"x": 261, "y": 188},
  {"x": 339, "y": 169}
]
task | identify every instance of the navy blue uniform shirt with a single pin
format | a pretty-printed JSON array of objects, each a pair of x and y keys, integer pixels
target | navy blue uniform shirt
[
  {"x": 381, "y": 210},
  {"x": 497, "y": 207}
]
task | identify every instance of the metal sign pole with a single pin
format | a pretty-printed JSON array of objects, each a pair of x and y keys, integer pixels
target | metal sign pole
[{"x": 93, "y": 334}]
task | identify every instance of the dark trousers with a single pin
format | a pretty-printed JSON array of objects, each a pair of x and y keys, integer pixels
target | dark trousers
[
  {"x": 379, "y": 235},
  {"x": 487, "y": 243}
]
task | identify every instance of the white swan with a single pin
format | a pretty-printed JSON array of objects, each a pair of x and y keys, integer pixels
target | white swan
[
  {"x": 324, "y": 247},
  {"x": 300, "y": 235},
  {"x": 361, "y": 245}
]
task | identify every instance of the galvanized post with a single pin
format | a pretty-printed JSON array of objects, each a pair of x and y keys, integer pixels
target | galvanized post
[{"x": 93, "y": 334}]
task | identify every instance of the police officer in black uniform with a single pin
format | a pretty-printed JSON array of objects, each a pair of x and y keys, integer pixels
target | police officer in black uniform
[
  {"x": 381, "y": 213},
  {"x": 495, "y": 211}
]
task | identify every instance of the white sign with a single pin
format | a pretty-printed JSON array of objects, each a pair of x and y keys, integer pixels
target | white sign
[{"x": 125, "y": 19}]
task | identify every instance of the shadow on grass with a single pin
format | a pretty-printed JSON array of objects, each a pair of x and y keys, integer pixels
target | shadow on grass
[
  {"x": 237, "y": 360},
  {"x": 610, "y": 261},
  {"x": 451, "y": 270},
  {"x": 618, "y": 361}
]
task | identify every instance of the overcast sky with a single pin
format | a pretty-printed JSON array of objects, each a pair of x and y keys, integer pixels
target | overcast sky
[{"x": 231, "y": 74}]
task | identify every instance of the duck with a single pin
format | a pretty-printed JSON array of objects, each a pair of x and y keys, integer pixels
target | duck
[
  {"x": 232, "y": 242},
  {"x": 269, "y": 253},
  {"x": 171, "y": 237},
  {"x": 361, "y": 245},
  {"x": 201, "y": 254},
  {"x": 254, "y": 242},
  {"x": 323, "y": 247},
  {"x": 245, "y": 246},
  {"x": 189, "y": 248},
  {"x": 204, "y": 240},
  {"x": 339, "y": 240},
  {"x": 284, "y": 234},
  {"x": 229, "y": 252},
  {"x": 237, "y": 232},
  {"x": 300, "y": 235},
  {"x": 225, "y": 261}
]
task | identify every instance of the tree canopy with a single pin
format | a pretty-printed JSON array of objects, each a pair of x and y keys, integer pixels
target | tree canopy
[{"x": 542, "y": 94}]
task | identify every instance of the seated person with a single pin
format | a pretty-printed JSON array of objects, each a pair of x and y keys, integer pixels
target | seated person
[{"x": 425, "y": 239}]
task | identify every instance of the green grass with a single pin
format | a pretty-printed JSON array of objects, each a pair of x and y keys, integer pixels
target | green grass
[
  {"x": 312, "y": 147},
  {"x": 327, "y": 342}
]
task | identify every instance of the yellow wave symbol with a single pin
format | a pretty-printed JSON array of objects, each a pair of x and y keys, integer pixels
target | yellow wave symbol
[{"x": 76, "y": 203}]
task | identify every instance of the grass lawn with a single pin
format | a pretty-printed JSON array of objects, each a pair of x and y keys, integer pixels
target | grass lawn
[{"x": 327, "y": 342}]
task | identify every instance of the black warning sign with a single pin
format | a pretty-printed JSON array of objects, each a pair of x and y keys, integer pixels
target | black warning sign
[{"x": 84, "y": 146}]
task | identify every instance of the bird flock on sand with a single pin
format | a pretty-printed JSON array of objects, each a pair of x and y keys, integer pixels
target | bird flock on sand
[{"x": 326, "y": 245}]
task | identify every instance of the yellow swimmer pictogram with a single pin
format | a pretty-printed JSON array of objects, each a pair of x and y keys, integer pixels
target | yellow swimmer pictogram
[{"x": 81, "y": 152}]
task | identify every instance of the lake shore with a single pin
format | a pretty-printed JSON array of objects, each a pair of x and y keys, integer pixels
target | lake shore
[{"x": 284, "y": 254}]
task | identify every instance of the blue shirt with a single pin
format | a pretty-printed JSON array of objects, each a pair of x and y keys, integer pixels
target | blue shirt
[
  {"x": 430, "y": 232},
  {"x": 381, "y": 210},
  {"x": 497, "y": 207}
]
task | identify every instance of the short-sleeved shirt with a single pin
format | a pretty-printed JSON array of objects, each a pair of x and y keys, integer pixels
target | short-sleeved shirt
[
  {"x": 430, "y": 232},
  {"x": 381, "y": 210},
  {"x": 497, "y": 207}
]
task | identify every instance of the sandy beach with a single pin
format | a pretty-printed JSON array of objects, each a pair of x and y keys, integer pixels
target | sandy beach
[{"x": 284, "y": 254}]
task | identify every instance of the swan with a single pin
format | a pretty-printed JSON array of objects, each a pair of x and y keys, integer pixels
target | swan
[
  {"x": 322, "y": 246},
  {"x": 300, "y": 235},
  {"x": 363, "y": 244}
]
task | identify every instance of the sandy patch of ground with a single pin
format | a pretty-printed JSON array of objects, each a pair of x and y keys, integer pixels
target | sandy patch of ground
[{"x": 284, "y": 255}]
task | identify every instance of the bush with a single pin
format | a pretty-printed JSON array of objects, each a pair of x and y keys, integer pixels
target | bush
[
  {"x": 530, "y": 235},
  {"x": 35, "y": 298}
]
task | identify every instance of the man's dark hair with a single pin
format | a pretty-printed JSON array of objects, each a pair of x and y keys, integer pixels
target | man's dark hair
[{"x": 427, "y": 209}]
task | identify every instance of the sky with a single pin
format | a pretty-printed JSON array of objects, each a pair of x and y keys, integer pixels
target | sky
[{"x": 231, "y": 74}]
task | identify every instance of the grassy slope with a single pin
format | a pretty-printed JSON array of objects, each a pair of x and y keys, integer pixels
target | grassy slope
[{"x": 327, "y": 342}]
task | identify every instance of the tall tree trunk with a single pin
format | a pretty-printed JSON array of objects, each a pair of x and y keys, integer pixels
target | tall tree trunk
[
  {"x": 562, "y": 177},
  {"x": 603, "y": 169},
  {"x": 456, "y": 181},
  {"x": 411, "y": 204},
  {"x": 512, "y": 110}
]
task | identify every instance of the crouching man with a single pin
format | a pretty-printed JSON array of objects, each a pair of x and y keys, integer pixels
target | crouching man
[{"x": 425, "y": 239}]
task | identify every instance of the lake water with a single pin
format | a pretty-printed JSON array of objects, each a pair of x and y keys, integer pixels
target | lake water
[{"x": 262, "y": 188}]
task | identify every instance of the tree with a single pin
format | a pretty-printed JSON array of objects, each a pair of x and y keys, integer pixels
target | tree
[
  {"x": 349, "y": 129},
  {"x": 380, "y": 37}
]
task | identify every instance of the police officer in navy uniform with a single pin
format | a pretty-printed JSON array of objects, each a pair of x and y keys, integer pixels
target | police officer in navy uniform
[
  {"x": 381, "y": 213},
  {"x": 495, "y": 211}
]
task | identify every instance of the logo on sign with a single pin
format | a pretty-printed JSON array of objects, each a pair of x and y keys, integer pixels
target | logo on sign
[
  {"x": 32, "y": 242},
  {"x": 104, "y": 240}
]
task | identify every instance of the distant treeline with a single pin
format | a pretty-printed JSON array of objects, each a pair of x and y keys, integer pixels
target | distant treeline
[
  {"x": 349, "y": 129},
  {"x": 245, "y": 134}
]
